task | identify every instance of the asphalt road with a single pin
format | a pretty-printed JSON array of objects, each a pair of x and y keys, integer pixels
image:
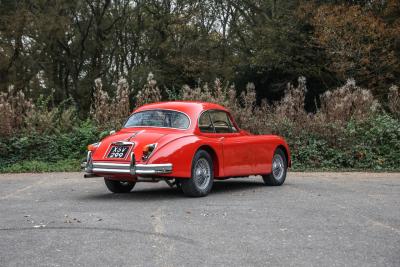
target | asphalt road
[{"x": 314, "y": 219}]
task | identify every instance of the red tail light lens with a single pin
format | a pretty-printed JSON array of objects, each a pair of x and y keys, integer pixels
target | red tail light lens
[
  {"x": 147, "y": 150},
  {"x": 93, "y": 147}
]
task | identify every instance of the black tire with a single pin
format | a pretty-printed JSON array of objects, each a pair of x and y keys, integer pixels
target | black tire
[
  {"x": 119, "y": 186},
  {"x": 201, "y": 182},
  {"x": 278, "y": 177}
]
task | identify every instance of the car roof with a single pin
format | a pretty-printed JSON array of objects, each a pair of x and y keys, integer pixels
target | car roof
[
  {"x": 193, "y": 109},
  {"x": 189, "y": 107}
]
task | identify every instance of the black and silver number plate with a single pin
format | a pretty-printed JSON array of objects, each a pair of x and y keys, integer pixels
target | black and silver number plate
[{"x": 118, "y": 152}]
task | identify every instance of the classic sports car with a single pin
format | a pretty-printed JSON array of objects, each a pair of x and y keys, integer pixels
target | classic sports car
[{"x": 188, "y": 145}]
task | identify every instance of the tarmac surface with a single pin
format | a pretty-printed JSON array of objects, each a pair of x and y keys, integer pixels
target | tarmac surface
[{"x": 314, "y": 219}]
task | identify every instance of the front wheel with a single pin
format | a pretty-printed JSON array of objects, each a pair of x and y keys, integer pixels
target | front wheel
[
  {"x": 119, "y": 186},
  {"x": 202, "y": 179},
  {"x": 279, "y": 169}
]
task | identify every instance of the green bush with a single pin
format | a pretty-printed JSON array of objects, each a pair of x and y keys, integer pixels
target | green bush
[
  {"x": 40, "y": 166},
  {"x": 372, "y": 144},
  {"x": 30, "y": 152}
]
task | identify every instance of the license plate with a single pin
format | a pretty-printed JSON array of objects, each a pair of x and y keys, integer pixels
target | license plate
[{"x": 118, "y": 152}]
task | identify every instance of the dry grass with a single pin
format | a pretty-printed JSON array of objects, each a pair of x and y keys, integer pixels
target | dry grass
[
  {"x": 20, "y": 115},
  {"x": 150, "y": 92},
  {"x": 109, "y": 112},
  {"x": 14, "y": 107},
  {"x": 347, "y": 102},
  {"x": 338, "y": 108},
  {"x": 394, "y": 101},
  {"x": 286, "y": 117}
]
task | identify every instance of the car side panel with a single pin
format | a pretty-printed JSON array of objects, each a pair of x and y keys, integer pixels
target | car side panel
[
  {"x": 250, "y": 154},
  {"x": 239, "y": 158}
]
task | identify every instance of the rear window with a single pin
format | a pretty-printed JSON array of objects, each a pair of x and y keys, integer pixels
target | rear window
[{"x": 158, "y": 118}]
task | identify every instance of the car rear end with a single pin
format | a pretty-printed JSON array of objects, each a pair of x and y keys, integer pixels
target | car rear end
[{"x": 125, "y": 156}]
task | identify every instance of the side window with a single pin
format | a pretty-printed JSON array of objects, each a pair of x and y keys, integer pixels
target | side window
[
  {"x": 205, "y": 124},
  {"x": 221, "y": 122},
  {"x": 234, "y": 130}
]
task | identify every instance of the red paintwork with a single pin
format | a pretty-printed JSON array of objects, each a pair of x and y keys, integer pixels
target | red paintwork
[{"x": 234, "y": 154}]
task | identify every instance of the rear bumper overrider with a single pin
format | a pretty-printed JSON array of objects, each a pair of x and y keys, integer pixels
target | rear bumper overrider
[{"x": 95, "y": 167}]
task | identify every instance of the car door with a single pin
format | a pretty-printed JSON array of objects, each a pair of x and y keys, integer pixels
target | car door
[
  {"x": 238, "y": 157},
  {"x": 257, "y": 148}
]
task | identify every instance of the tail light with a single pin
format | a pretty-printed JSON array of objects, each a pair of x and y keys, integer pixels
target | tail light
[
  {"x": 93, "y": 147},
  {"x": 148, "y": 150}
]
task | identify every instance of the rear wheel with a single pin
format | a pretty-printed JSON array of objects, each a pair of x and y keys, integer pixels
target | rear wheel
[
  {"x": 119, "y": 186},
  {"x": 279, "y": 169},
  {"x": 202, "y": 179}
]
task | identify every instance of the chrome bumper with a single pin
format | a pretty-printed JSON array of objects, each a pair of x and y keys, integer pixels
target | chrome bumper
[
  {"x": 125, "y": 168},
  {"x": 93, "y": 167}
]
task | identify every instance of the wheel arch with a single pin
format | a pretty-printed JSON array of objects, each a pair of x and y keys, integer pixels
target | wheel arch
[
  {"x": 287, "y": 155},
  {"x": 214, "y": 156}
]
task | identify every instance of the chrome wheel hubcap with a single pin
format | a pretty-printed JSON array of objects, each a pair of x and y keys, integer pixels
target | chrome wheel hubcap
[
  {"x": 202, "y": 173},
  {"x": 278, "y": 167}
]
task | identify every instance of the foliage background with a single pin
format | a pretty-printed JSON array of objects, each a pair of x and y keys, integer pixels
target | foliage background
[{"x": 65, "y": 67}]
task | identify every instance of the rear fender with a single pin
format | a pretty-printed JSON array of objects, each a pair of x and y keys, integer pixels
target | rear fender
[{"x": 180, "y": 153}]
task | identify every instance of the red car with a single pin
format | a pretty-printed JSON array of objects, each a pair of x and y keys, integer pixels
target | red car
[{"x": 188, "y": 145}]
